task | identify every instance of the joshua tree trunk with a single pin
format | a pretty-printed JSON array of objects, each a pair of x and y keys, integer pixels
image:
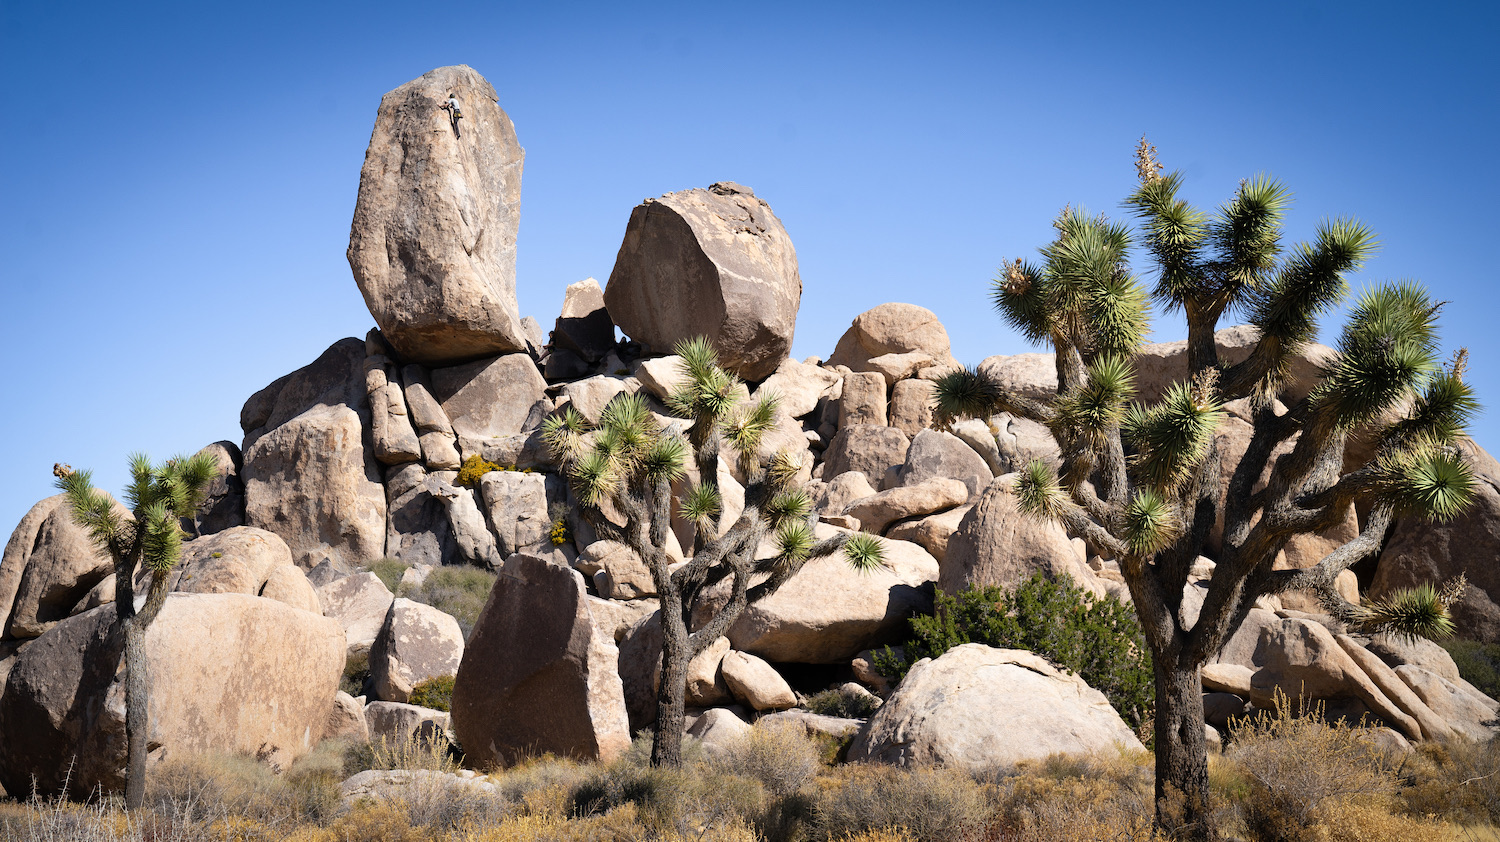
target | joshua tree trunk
[
  {"x": 1181, "y": 753},
  {"x": 671, "y": 691},
  {"x": 133, "y": 626}
]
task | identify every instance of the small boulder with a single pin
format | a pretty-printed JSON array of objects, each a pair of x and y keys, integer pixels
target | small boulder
[
  {"x": 756, "y": 683},
  {"x": 923, "y": 498},
  {"x": 911, "y": 405},
  {"x": 359, "y": 603},
  {"x": 718, "y": 728},
  {"x": 933, "y": 532},
  {"x": 978, "y": 708},
  {"x": 799, "y": 386},
  {"x": 346, "y": 720},
  {"x": 944, "y": 455},
  {"x": 892, "y": 328},
  {"x": 516, "y": 505},
  {"x": 489, "y": 398},
  {"x": 584, "y": 327},
  {"x": 867, "y": 448},
  {"x": 832, "y": 496},
  {"x": 998, "y": 544},
  {"x": 397, "y": 722},
  {"x": 863, "y": 400},
  {"x": 237, "y": 560},
  {"x": 416, "y": 642},
  {"x": 50, "y": 564},
  {"x": 289, "y": 585}
]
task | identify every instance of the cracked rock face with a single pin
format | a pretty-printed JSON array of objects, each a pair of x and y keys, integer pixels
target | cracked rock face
[
  {"x": 714, "y": 263},
  {"x": 433, "y": 242}
]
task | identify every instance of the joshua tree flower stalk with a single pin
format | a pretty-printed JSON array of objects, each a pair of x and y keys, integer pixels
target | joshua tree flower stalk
[{"x": 1141, "y": 483}]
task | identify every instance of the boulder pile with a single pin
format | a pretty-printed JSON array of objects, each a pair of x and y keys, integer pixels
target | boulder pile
[{"x": 421, "y": 442}]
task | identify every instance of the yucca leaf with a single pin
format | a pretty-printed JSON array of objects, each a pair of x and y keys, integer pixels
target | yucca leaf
[
  {"x": 1150, "y": 523},
  {"x": 965, "y": 393},
  {"x": 1038, "y": 493},
  {"x": 864, "y": 552}
]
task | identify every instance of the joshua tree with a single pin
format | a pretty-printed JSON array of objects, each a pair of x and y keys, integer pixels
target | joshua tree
[
  {"x": 628, "y": 464},
  {"x": 1141, "y": 484},
  {"x": 159, "y": 498}
]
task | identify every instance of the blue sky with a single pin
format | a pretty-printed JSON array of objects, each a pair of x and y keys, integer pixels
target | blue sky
[{"x": 179, "y": 179}]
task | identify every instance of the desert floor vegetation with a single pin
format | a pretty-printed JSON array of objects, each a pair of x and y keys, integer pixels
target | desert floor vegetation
[{"x": 1285, "y": 776}]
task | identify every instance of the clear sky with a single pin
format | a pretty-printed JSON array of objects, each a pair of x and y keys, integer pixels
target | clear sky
[{"x": 178, "y": 180}]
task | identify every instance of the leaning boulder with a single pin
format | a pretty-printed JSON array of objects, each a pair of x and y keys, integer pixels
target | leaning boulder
[
  {"x": 228, "y": 673},
  {"x": 223, "y": 505},
  {"x": 537, "y": 675},
  {"x": 416, "y": 642},
  {"x": 359, "y": 603},
  {"x": 433, "y": 242},
  {"x": 979, "y": 708},
  {"x": 723, "y": 250},
  {"x": 50, "y": 564},
  {"x": 934, "y": 454},
  {"x": 584, "y": 327}
]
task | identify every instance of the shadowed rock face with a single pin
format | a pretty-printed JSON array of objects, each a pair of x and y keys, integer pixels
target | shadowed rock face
[
  {"x": 228, "y": 673},
  {"x": 433, "y": 242},
  {"x": 714, "y": 263}
]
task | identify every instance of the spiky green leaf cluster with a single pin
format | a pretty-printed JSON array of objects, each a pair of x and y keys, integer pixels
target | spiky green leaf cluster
[
  {"x": 563, "y": 434},
  {"x": 1038, "y": 492},
  {"x": 1175, "y": 234},
  {"x": 1150, "y": 523},
  {"x": 864, "y": 552},
  {"x": 708, "y": 393},
  {"x": 1310, "y": 283},
  {"x": 1426, "y": 478},
  {"x": 701, "y": 506},
  {"x": 746, "y": 428},
  {"x": 1409, "y": 612},
  {"x": 965, "y": 393},
  {"x": 1247, "y": 232},
  {"x": 1083, "y": 291},
  {"x": 1388, "y": 347},
  {"x": 789, "y": 506},
  {"x": 627, "y": 444},
  {"x": 1172, "y": 438},
  {"x": 1098, "y": 404},
  {"x": 1442, "y": 411},
  {"x": 794, "y": 541}
]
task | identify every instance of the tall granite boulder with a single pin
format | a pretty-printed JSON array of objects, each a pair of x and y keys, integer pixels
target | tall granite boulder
[
  {"x": 433, "y": 242},
  {"x": 229, "y": 673},
  {"x": 979, "y": 708},
  {"x": 537, "y": 675},
  {"x": 310, "y": 472},
  {"x": 725, "y": 253}
]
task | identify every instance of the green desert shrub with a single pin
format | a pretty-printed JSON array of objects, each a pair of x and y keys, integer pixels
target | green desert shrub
[
  {"x": 472, "y": 469},
  {"x": 1099, "y": 639},
  {"x": 847, "y": 704},
  {"x": 1478, "y": 663},
  {"x": 435, "y": 693},
  {"x": 356, "y": 673},
  {"x": 459, "y": 591},
  {"x": 389, "y": 570}
]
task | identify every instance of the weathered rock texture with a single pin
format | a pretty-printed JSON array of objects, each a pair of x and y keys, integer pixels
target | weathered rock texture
[
  {"x": 979, "y": 708},
  {"x": 725, "y": 252},
  {"x": 998, "y": 544},
  {"x": 537, "y": 676},
  {"x": 416, "y": 642},
  {"x": 891, "y": 329},
  {"x": 50, "y": 563},
  {"x": 228, "y": 673},
  {"x": 433, "y": 242}
]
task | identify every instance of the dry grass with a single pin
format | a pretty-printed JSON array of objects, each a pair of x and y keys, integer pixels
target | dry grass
[{"x": 1285, "y": 778}]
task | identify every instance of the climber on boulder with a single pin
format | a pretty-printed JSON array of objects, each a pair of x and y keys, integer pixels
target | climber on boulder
[{"x": 455, "y": 113}]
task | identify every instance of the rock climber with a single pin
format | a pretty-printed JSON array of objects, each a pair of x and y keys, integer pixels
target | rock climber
[{"x": 455, "y": 113}]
